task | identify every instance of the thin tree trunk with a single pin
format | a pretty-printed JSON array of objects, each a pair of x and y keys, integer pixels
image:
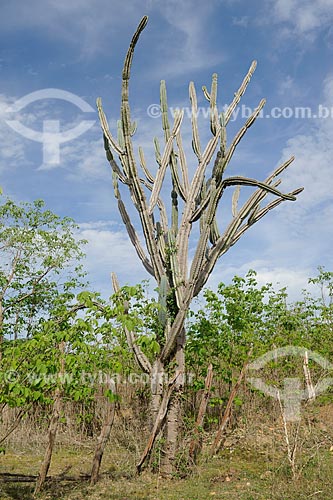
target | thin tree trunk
[
  {"x": 15, "y": 424},
  {"x": 101, "y": 443},
  {"x": 196, "y": 443},
  {"x": 53, "y": 427},
  {"x": 218, "y": 441},
  {"x": 308, "y": 378}
]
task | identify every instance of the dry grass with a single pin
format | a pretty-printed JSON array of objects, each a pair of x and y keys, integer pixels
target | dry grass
[{"x": 252, "y": 466}]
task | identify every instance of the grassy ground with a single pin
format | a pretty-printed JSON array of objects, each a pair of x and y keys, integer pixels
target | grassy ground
[
  {"x": 240, "y": 474},
  {"x": 253, "y": 465}
]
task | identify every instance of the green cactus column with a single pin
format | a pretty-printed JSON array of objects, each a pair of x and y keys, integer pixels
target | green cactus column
[{"x": 168, "y": 235}]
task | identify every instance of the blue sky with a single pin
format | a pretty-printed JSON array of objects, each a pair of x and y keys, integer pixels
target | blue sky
[{"x": 78, "y": 46}]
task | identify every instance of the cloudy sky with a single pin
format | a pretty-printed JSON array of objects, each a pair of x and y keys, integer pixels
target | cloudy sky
[{"x": 76, "y": 48}]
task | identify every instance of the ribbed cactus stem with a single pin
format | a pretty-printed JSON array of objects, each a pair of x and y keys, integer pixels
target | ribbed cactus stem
[
  {"x": 214, "y": 117},
  {"x": 238, "y": 95},
  {"x": 223, "y": 146},
  {"x": 157, "y": 151},
  {"x": 165, "y": 161},
  {"x": 174, "y": 211},
  {"x": 167, "y": 134},
  {"x": 194, "y": 119},
  {"x": 144, "y": 167},
  {"x": 133, "y": 128},
  {"x": 120, "y": 135},
  {"x": 174, "y": 267},
  {"x": 163, "y": 291},
  {"x": 234, "y": 201}
]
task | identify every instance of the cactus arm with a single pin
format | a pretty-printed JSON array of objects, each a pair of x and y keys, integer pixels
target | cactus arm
[
  {"x": 165, "y": 161},
  {"x": 221, "y": 163},
  {"x": 257, "y": 216},
  {"x": 130, "y": 228},
  {"x": 200, "y": 172},
  {"x": 140, "y": 357},
  {"x": 137, "y": 191},
  {"x": 157, "y": 151},
  {"x": 161, "y": 206},
  {"x": 242, "y": 132},
  {"x": 163, "y": 290},
  {"x": 214, "y": 119},
  {"x": 177, "y": 327},
  {"x": 196, "y": 185},
  {"x": 144, "y": 167},
  {"x": 234, "y": 201},
  {"x": 105, "y": 127},
  {"x": 174, "y": 210},
  {"x": 194, "y": 120},
  {"x": 166, "y": 127},
  {"x": 116, "y": 174},
  {"x": 134, "y": 238},
  {"x": 183, "y": 164},
  {"x": 234, "y": 230},
  {"x": 199, "y": 256},
  {"x": 205, "y": 92},
  {"x": 240, "y": 92},
  {"x": 229, "y": 237},
  {"x": 244, "y": 181},
  {"x": 175, "y": 271},
  {"x": 223, "y": 147},
  {"x": 214, "y": 232},
  {"x": 115, "y": 167}
]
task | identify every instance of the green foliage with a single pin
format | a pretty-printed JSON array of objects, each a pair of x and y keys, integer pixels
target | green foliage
[
  {"x": 39, "y": 261},
  {"x": 244, "y": 316},
  {"x": 53, "y": 338},
  {"x": 232, "y": 322}
]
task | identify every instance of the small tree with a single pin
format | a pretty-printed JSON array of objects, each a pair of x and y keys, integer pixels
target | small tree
[
  {"x": 167, "y": 233},
  {"x": 39, "y": 260},
  {"x": 53, "y": 345}
]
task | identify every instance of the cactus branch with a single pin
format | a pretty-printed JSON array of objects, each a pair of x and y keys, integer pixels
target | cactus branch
[
  {"x": 144, "y": 167},
  {"x": 105, "y": 127},
  {"x": 240, "y": 92},
  {"x": 165, "y": 161},
  {"x": 166, "y": 127},
  {"x": 194, "y": 118},
  {"x": 130, "y": 228},
  {"x": 138, "y": 193},
  {"x": 113, "y": 163}
]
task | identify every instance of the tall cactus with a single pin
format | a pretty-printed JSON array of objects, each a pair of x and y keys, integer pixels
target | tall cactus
[{"x": 165, "y": 254}]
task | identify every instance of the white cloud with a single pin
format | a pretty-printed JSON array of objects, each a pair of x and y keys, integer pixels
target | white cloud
[
  {"x": 313, "y": 167},
  {"x": 295, "y": 280},
  {"x": 286, "y": 85},
  {"x": 110, "y": 251},
  {"x": 84, "y": 23},
  {"x": 96, "y": 26},
  {"x": 303, "y": 17},
  {"x": 242, "y": 21},
  {"x": 186, "y": 50},
  {"x": 12, "y": 147}
]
